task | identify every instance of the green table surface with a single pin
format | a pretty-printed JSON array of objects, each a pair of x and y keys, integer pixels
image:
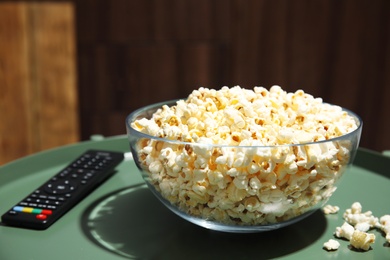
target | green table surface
[{"x": 122, "y": 219}]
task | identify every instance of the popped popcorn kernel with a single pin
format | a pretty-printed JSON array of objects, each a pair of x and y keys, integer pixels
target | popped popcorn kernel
[
  {"x": 362, "y": 240},
  {"x": 329, "y": 209},
  {"x": 331, "y": 245},
  {"x": 384, "y": 225},
  {"x": 345, "y": 231},
  {"x": 230, "y": 156}
]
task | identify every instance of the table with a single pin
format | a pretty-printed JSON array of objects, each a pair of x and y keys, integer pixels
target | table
[{"x": 122, "y": 219}]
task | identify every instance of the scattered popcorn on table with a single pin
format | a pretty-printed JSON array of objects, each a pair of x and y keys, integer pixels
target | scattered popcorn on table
[
  {"x": 329, "y": 209},
  {"x": 231, "y": 182},
  {"x": 356, "y": 226},
  {"x": 331, "y": 245},
  {"x": 358, "y": 223},
  {"x": 355, "y": 216}
]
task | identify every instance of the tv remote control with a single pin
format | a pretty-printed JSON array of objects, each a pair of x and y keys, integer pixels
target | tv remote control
[{"x": 60, "y": 193}]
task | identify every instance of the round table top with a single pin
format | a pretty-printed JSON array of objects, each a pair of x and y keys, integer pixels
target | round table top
[{"x": 121, "y": 218}]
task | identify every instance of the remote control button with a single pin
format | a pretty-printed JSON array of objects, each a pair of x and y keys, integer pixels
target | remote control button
[
  {"x": 27, "y": 210},
  {"x": 18, "y": 208},
  {"x": 41, "y": 216},
  {"x": 88, "y": 175},
  {"x": 47, "y": 202},
  {"x": 47, "y": 212},
  {"x": 36, "y": 211},
  {"x": 80, "y": 171},
  {"x": 56, "y": 203},
  {"x": 60, "y": 187}
]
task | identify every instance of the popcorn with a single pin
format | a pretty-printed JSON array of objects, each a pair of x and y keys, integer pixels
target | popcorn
[
  {"x": 363, "y": 226},
  {"x": 362, "y": 240},
  {"x": 329, "y": 209},
  {"x": 384, "y": 225},
  {"x": 345, "y": 231},
  {"x": 356, "y": 227},
  {"x": 251, "y": 175},
  {"x": 358, "y": 224},
  {"x": 354, "y": 216},
  {"x": 331, "y": 244}
]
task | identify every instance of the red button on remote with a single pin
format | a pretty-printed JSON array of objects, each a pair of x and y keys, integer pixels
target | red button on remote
[
  {"x": 46, "y": 212},
  {"x": 41, "y": 216}
]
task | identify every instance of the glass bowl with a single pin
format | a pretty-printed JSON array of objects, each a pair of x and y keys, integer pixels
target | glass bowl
[{"x": 206, "y": 185}]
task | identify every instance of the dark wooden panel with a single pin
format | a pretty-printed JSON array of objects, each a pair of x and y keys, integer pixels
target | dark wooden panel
[
  {"x": 202, "y": 65},
  {"x": 355, "y": 80},
  {"x": 132, "y": 53},
  {"x": 129, "y": 21},
  {"x": 267, "y": 43}
]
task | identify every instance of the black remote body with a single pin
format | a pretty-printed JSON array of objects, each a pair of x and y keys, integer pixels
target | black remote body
[{"x": 54, "y": 198}]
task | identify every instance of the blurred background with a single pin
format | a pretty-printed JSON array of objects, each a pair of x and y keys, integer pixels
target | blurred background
[{"x": 72, "y": 69}]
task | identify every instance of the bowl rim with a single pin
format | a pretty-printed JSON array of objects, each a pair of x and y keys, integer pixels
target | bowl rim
[{"x": 156, "y": 106}]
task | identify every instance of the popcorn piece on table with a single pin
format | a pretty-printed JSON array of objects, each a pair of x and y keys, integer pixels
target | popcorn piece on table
[
  {"x": 384, "y": 225},
  {"x": 329, "y": 209},
  {"x": 363, "y": 226},
  {"x": 331, "y": 245},
  {"x": 362, "y": 240},
  {"x": 345, "y": 231}
]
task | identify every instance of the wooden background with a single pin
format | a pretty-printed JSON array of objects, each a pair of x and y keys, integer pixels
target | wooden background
[
  {"x": 130, "y": 53},
  {"x": 38, "y": 94}
]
